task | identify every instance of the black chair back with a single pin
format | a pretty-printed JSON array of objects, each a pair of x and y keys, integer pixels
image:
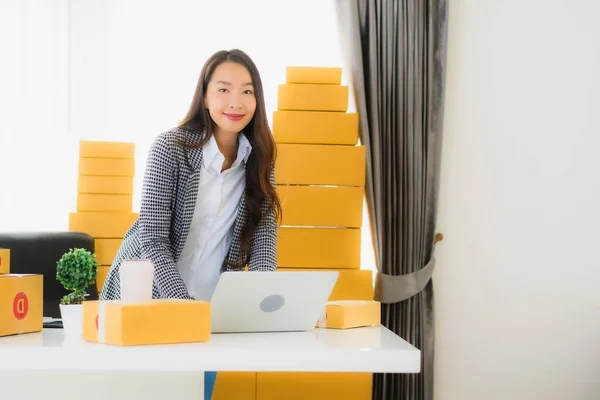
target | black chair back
[{"x": 38, "y": 252}]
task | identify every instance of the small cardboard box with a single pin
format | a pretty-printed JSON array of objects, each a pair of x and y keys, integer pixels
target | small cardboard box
[
  {"x": 104, "y": 202},
  {"x": 102, "y": 224},
  {"x": 313, "y": 385},
  {"x": 319, "y": 75},
  {"x": 4, "y": 261},
  {"x": 99, "y": 149},
  {"x": 311, "y": 97},
  {"x": 106, "y": 250},
  {"x": 352, "y": 284},
  {"x": 315, "y": 164},
  {"x": 106, "y": 166},
  {"x": 104, "y": 185},
  {"x": 346, "y": 314},
  {"x": 329, "y": 248},
  {"x": 158, "y": 321},
  {"x": 21, "y": 303},
  {"x": 315, "y": 127},
  {"x": 321, "y": 206}
]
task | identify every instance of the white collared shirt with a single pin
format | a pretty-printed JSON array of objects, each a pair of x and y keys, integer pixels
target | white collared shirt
[{"x": 211, "y": 230}]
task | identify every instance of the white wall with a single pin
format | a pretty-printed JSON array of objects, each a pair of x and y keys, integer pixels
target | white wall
[
  {"x": 518, "y": 304},
  {"x": 33, "y": 118}
]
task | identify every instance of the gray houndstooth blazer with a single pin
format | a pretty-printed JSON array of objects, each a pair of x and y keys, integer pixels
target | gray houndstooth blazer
[{"x": 169, "y": 192}]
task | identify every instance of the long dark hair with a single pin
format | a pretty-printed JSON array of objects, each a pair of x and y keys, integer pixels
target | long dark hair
[{"x": 262, "y": 158}]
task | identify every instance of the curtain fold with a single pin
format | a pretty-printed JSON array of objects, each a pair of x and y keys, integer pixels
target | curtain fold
[{"x": 396, "y": 52}]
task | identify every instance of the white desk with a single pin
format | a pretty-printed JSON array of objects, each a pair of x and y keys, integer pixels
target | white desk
[{"x": 34, "y": 362}]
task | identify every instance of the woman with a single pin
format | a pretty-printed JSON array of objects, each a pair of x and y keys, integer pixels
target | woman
[{"x": 208, "y": 196}]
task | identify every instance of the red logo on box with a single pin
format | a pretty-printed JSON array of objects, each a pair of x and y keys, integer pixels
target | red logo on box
[{"x": 20, "y": 305}]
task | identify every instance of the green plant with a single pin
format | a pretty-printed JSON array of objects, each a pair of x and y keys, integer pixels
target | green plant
[{"x": 76, "y": 271}]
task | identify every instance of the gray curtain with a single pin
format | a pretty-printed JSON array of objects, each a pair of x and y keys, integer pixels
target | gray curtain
[{"x": 396, "y": 51}]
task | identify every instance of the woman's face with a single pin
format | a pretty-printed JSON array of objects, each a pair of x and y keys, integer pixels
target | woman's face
[{"x": 230, "y": 97}]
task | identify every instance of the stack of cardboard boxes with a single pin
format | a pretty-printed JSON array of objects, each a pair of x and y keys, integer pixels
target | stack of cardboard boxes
[
  {"x": 320, "y": 176},
  {"x": 104, "y": 198},
  {"x": 21, "y": 300}
]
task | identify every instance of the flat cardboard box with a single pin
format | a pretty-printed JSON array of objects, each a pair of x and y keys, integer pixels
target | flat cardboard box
[
  {"x": 310, "y": 97},
  {"x": 345, "y": 314},
  {"x": 99, "y": 149},
  {"x": 4, "y": 261},
  {"x": 319, "y": 75},
  {"x": 106, "y": 250},
  {"x": 21, "y": 303},
  {"x": 313, "y": 385},
  {"x": 312, "y": 164},
  {"x": 332, "y": 206},
  {"x": 102, "y": 274},
  {"x": 160, "y": 321},
  {"x": 235, "y": 385},
  {"x": 104, "y": 202},
  {"x": 315, "y": 127},
  {"x": 316, "y": 248},
  {"x": 105, "y": 185},
  {"x": 102, "y": 224},
  {"x": 352, "y": 284},
  {"x": 106, "y": 166}
]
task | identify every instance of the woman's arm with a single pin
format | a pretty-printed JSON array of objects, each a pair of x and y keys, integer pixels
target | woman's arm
[
  {"x": 155, "y": 219},
  {"x": 263, "y": 255}
]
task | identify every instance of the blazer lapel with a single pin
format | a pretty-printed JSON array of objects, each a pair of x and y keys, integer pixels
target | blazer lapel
[{"x": 189, "y": 181}]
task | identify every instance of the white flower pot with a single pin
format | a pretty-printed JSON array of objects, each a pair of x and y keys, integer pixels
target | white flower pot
[{"x": 72, "y": 319}]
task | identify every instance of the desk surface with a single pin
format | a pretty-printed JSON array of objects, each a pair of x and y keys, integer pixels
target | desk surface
[{"x": 370, "y": 349}]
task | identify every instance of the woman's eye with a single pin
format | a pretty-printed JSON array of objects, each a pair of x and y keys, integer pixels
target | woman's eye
[
  {"x": 223, "y": 90},
  {"x": 247, "y": 91}
]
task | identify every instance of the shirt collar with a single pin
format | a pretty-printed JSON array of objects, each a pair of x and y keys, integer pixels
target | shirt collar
[
  {"x": 244, "y": 147},
  {"x": 210, "y": 151}
]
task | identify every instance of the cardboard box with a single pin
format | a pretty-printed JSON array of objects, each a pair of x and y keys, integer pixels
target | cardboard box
[
  {"x": 131, "y": 324},
  {"x": 4, "y": 261},
  {"x": 311, "y": 164},
  {"x": 21, "y": 303},
  {"x": 313, "y": 386},
  {"x": 318, "y": 248},
  {"x": 106, "y": 166},
  {"x": 106, "y": 149},
  {"x": 105, "y": 185},
  {"x": 101, "y": 277},
  {"x": 235, "y": 385},
  {"x": 319, "y": 75},
  {"x": 106, "y": 250},
  {"x": 102, "y": 224},
  {"x": 309, "y": 97},
  {"x": 315, "y": 127},
  {"x": 344, "y": 314},
  {"x": 321, "y": 206},
  {"x": 104, "y": 202},
  {"x": 352, "y": 284}
]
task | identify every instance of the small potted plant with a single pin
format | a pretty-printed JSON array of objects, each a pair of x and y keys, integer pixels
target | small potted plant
[{"x": 76, "y": 271}]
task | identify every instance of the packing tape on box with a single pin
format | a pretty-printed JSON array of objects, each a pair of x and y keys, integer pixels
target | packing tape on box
[
  {"x": 101, "y": 322},
  {"x": 21, "y": 306}
]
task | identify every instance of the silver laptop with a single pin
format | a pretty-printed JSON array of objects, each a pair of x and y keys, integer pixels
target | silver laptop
[{"x": 270, "y": 301}]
